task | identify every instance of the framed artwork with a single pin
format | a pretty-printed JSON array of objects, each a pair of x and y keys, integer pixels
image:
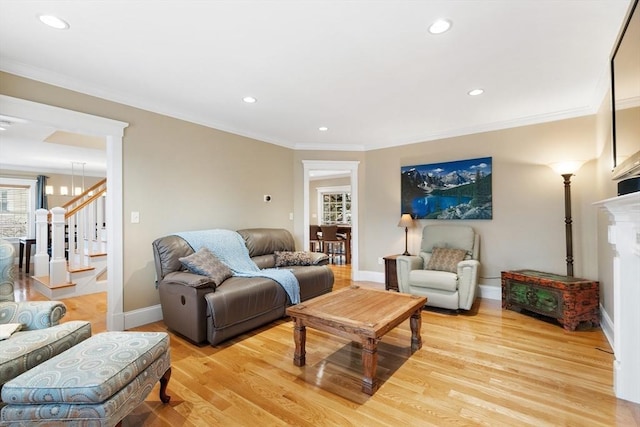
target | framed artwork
[{"x": 449, "y": 190}]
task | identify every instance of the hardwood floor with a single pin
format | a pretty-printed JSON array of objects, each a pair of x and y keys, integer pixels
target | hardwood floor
[{"x": 485, "y": 367}]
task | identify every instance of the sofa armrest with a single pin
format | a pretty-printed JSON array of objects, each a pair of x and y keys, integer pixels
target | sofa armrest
[
  {"x": 318, "y": 258},
  {"x": 33, "y": 314},
  {"x": 404, "y": 265},
  {"x": 467, "y": 282},
  {"x": 189, "y": 279}
]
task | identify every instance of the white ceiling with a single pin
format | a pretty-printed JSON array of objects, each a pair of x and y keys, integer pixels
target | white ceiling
[
  {"x": 25, "y": 145},
  {"x": 368, "y": 70}
]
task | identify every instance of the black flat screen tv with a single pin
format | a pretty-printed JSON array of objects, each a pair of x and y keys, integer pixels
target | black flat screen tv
[{"x": 625, "y": 98}]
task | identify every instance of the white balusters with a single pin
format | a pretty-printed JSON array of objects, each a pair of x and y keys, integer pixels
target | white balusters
[
  {"x": 100, "y": 218},
  {"x": 80, "y": 238},
  {"x": 77, "y": 227}
]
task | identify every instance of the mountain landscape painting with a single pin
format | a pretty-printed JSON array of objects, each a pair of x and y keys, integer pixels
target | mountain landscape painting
[{"x": 450, "y": 190}]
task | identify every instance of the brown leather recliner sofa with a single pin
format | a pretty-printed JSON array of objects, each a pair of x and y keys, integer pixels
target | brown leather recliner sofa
[{"x": 213, "y": 313}]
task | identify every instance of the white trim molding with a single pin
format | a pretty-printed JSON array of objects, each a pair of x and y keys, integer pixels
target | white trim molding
[
  {"x": 490, "y": 292},
  {"x": 624, "y": 238},
  {"x": 607, "y": 326},
  {"x": 322, "y": 165},
  {"x": 31, "y": 221},
  {"x": 113, "y": 132},
  {"x": 142, "y": 316}
]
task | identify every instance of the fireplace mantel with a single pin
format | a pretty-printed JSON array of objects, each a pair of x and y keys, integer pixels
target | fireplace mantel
[{"x": 624, "y": 236}]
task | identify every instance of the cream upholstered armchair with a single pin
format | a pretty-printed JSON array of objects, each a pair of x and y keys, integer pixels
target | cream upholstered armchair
[{"x": 446, "y": 269}]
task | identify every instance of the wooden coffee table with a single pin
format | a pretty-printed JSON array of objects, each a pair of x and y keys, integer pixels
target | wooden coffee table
[{"x": 359, "y": 314}]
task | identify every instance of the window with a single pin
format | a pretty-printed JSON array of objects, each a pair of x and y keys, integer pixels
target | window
[
  {"x": 17, "y": 198},
  {"x": 334, "y": 205}
]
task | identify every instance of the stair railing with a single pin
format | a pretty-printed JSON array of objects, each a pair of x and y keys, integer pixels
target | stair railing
[
  {"x": 71, "y": 233},
  {"x": 85, "y": 219}
]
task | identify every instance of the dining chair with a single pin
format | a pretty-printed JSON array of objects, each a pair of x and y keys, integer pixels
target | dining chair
[
  {"x": 330, "y": 240},
  {"x": 315, "y": 242}
]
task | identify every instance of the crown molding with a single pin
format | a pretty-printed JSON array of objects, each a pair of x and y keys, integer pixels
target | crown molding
[
  {"x": 79, "y": 86},
  {"x": 56, "y": 79},
  {"x": 495, "y": 126}
]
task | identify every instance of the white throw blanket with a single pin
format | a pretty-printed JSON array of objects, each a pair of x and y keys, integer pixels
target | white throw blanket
[
  {"x": 230, "y": 248},
  {"x": 9, "y": 328}
]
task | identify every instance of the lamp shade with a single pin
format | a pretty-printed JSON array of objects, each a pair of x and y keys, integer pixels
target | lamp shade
[
  {"x": 405, "y": 221},
  {"x": 569, "y": 167}
]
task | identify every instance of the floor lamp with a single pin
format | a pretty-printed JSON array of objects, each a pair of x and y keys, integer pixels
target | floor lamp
[
  {"x": 567, "y": 170},
  {"x": 406, "y": 221}
]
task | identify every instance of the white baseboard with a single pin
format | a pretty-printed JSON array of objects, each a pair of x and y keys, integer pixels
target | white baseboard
[
  {"x": 142, "y": 316},
  {"x": 146, "y": 315},
  {"x": 607, "y": 326},
  {"x": 369, "y": 276},
  {"x": 486, "y": 291},
  {"x": 490, "y": 292}
]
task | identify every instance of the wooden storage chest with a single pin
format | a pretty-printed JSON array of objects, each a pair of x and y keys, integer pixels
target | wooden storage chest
[{"x": 570, "y": 300}]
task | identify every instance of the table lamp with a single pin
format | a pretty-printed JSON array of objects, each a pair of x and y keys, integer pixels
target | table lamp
[{"x": 406, "y": 221}]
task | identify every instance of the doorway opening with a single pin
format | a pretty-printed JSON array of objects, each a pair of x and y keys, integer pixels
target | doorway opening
[
  {"x": 112, "y": 131},
  {"x": 310, "y": 166}
]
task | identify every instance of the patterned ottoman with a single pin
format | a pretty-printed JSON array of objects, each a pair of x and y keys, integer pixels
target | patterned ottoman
[{"x": 95, "y": 383}]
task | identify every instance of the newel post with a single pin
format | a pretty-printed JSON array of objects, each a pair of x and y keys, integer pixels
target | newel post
[
  {"x": 58, "y": 263},
  {"x": 41, "y": 258}
]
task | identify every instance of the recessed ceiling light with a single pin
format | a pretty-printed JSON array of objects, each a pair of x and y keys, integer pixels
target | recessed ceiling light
[
  {"x": 1, "y": 129},
  {"x": 476, "y": 92},
  {"x": 53, "y": 22},
  {"x": 440, "y": 26},
  {"x": 249, "y": 99},
  {"x": 323, "y": 128}
]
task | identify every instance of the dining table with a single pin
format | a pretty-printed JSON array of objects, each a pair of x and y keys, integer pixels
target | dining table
[{"x": 344, "y": 230}]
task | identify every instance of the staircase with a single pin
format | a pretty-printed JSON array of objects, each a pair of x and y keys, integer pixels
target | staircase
[{"x": 71, "y": 247}]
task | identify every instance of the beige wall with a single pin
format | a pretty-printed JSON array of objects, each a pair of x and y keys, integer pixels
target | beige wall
[
  {"x": 183, "y": 176},
  {"x": 179, "y": 176},
  {"x": 527, "y": 230}
]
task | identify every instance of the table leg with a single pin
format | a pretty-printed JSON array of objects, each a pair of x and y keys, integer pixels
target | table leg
[
  {"x": 28, "y": 259},
  {"x": 416, "y": 324},
  {"x": 370, "y": 365},
  {"x": 347, "y": 249},
  {"x": 300, "y": 338},
  {"x": 21, "y": 253}
]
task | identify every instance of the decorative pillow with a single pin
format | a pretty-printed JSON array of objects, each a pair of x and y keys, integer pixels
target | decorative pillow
[
  {"x": 286, "y": 258},
  {"x": 446, "y": 259},
  {"x": 205, "y": 263}
]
